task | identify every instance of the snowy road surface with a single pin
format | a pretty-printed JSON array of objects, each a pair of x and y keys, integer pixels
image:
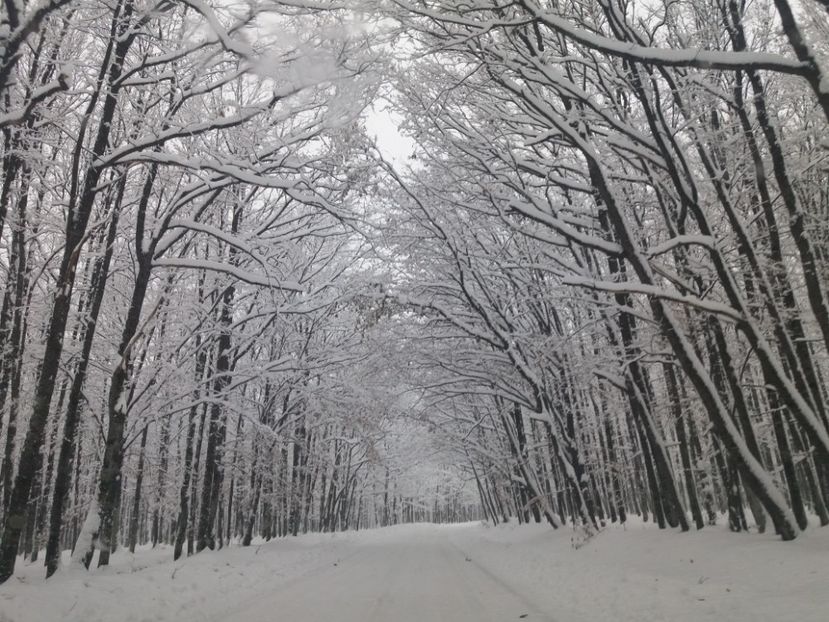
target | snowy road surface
[
  {"x": 419, "y": 576},
  {"x": 428, "y": 573}
]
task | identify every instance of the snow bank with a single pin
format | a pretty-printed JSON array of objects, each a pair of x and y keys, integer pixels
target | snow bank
[
  {"x": 642, "y": 574},
  {"x": 149, "y": 587}
]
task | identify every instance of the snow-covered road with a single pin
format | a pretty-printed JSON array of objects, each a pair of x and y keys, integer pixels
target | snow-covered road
[
  {"x": 462, "y": 573},
  {"x": 419, "y": 575}
]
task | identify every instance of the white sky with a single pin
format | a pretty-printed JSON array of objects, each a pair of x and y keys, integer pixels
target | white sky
[{"x": 383, "y": 126}]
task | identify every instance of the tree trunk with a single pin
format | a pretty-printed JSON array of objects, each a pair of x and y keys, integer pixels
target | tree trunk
[
  {"x": 136, "y": 502},
  {"x": 63, "y": 474}
]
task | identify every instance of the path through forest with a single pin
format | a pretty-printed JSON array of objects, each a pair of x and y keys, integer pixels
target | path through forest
[
  {"x": 455, "y": 573},
  {"x": 418, "y": 575}
]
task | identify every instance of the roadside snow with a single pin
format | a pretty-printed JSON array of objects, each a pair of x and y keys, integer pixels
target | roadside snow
[
  {"x": 642, "y": 574},
  {"x": 148, "y": 586},
  {"x": 452, "y": 573}
]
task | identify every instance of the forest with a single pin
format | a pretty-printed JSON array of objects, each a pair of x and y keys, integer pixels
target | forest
[{"x": 584, "y": 276}]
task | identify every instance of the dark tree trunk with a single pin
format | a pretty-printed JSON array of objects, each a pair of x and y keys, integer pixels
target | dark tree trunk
[
  {"x": 109, "y": 490},
  {"x": 157, "y": 527},
  {"x": 136, "y": 502},
  {"x": 63, "y": 474},
  {"x": 789, "y": 468}
]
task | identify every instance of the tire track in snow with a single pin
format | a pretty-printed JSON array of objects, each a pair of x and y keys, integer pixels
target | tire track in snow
[{"x": 533, "y": 612}]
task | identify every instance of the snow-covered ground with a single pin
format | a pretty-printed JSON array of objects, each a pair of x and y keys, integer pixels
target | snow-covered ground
[{"x": 460, "y": 573}]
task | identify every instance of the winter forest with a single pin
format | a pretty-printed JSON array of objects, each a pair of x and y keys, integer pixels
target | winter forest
[{"x": 283, "y": 267}]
